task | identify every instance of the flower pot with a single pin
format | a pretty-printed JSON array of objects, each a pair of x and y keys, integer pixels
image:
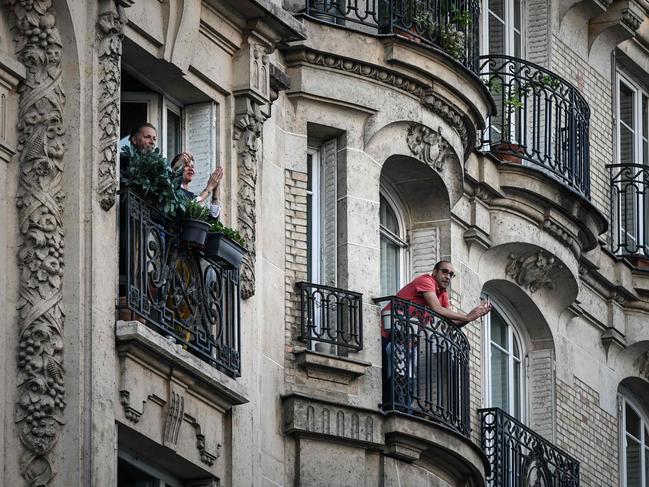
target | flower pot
[
  {"x": 223, "y": 249},
  {"x": 193, "y": 232},
  {"x": 508, "y": 152}
]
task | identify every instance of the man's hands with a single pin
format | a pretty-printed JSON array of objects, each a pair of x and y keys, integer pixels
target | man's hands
[
  {"x": 482, "y": 309},
  {"x": 215, "y": 179}
]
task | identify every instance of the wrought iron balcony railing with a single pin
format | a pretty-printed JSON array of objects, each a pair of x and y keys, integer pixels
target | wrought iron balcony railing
[
  {"x": 181, "y": 294},
  {"x": 450, "y": 25},
  {"x": 425, "y": 365},
  {"x": 331, "y": 315},
  {"x": 541, "y": 119},
  {"x": 519, "y": 457},
  {"x": 629, "y": 209}
]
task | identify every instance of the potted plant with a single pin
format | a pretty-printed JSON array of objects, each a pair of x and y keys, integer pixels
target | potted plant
[
  {"x": 225, "y": 245},
  {"x": 506, "y": 149},
  {"x": 149, "y": 175},
  {"x": 194, "y": 224}
]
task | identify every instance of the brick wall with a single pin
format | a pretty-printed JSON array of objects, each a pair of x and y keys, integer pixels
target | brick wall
[
  {"x": 598, "y": 93},
  {"x": 588, "y": 433},
  {"x": 295, "y": 219}
]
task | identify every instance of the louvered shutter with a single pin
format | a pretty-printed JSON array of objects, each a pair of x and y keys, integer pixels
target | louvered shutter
[
  {"x": 424, "y": 249},
  {"x": 329, "y": 203},
  {"x": 200, "y": 140},
  {"x": 541, "y": 384}
]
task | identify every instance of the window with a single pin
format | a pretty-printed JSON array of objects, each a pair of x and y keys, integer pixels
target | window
[
  {"x": 190, "y": 127},
  {"x": 132, "y": 472},
  {"x": 502, "y": 27},
  {"x": 635, "y": 446},
  {"x": 393, "y": 245},
  {"x": 632, "y": 127},
  {"x": 504, "y": 364},
  {"x": 322, "y": 201}
]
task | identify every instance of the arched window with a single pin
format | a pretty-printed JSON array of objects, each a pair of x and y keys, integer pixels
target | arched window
[
  {"x": 393, "y": 246},
  {"x": 505, "y": 371},
  {"x": 502, "y": 27},
  {"x": 635, "y": 446}
]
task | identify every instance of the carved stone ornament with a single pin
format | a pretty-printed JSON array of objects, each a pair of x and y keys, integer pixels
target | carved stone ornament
[
  {"x": 247, "y": 133},
  {"x": 40, "y": 403},
  {"x": 428, "y": 146},
  {"x": 643, "y": 365},
  {"x": 450, "y": 114},
  {"x": 110, "y": 32},
  {"x": 532, "y": 272}
]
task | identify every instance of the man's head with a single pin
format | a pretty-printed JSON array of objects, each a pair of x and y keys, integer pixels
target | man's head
[
  {"x": 144, "y": 137},
  {"x": 443, "y": 272}
]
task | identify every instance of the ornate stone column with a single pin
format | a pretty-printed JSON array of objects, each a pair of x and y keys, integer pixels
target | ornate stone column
[
  {"x": 41, "y": 388},
  {"x": 110, "y": 32}
]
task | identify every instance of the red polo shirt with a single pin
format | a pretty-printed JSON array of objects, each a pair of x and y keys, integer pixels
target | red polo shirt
[{"x": 413, "y": 292}]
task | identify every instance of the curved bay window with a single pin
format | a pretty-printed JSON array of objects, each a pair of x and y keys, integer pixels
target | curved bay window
[
  {"x": 504, "y": 365},
  {"x": 393, "y": 247}
]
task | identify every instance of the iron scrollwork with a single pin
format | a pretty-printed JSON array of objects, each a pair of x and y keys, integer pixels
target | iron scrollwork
[{"x": 183, "y": 295}]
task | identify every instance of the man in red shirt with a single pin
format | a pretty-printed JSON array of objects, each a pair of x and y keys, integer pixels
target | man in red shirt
[{"x": 401, "y": 358}]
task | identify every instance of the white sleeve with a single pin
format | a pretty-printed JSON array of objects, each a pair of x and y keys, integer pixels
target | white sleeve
[{"x": 215, "y": 210}]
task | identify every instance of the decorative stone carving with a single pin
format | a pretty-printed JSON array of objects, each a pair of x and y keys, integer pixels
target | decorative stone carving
[
  {"x": 312, "y": 417},
  {"x": 175, "y": 414},
  {"x": 428, "y": 146},
  {"x": 130, "y": 412},
  {"x": 247, "y": 132},
  {"x": 643, "y": 367},
  {"x": 450, "y": 114},
  {"x": 110, "y": 32},
  {"x": 206, "y": 457},
  {"x": 41, "y": 147},
  {"x": 532, "y": 272}
]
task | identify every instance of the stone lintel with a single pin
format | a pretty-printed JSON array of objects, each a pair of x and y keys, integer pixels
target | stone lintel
[
  {"x": 306, "y": 416},
  {"x": 331, "y": 368},
  {"x": 148, "y": 347}
]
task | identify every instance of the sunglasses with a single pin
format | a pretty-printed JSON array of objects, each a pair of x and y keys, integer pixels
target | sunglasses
[{"x": 447, "y": 272}]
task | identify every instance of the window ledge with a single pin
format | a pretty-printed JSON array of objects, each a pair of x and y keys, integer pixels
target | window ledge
[
  {"x": 154, "y": 350},
  {"x": 341, "y": 370}
]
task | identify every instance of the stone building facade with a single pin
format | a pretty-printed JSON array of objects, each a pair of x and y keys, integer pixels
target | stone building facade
[{"x": 362, "y": 141}]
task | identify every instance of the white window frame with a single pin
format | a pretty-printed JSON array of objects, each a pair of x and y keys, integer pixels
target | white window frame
[
  {"x": 638, "y": 94},
  {"x": 152, "y": 101},
  {"x": 400, "y": 239},
  {"x": 176, "y": 109},
  {"x": 512, "y": 333},
  {"x": 509, "y": 28},
  {"x": 315, "y": 243},
  {"x": 644, "y": 448}
]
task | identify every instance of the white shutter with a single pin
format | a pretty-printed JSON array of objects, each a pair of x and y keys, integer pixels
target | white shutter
[
  {"x": 329, "y": 203},
  {"x": 424, "y": 249},
  {"x": 541, "y": 384},
  {"x": 200, "y": 140}
]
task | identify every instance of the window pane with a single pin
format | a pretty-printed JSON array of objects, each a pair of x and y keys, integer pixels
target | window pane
[
  {"x": 517, "y": 15},
  {"x": 517, "y": 351},
  {"x": 496, "y": 35},
  {"x": 173, "y": 134},
  {"x": 131, "y": 114},
  {"x": 499, "y": 379},
  {"x": 389, "y": 267},
  {"x": 626, "y": 105},
  {"x": 645, "y": 130},
  {"x": 387, "y": 217},
  {"x": 627, "y": 125},
  {"x": 633, "y": 463},
  {"x": 498, "y": 330},
  {"x": 632, "y": 422}
]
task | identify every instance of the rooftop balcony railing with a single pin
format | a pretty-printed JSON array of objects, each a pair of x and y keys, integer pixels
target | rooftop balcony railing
[
  {"x": 426, "y": 365},
  {"x": 331, "y": 316},
  {"x": 519, "y": 457},
  {"x": 629, "y": 209},
  {"x": 542, "y": 120},
  {"x": 177, "y": 291},
  {"x": 449, "y": 25}
]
